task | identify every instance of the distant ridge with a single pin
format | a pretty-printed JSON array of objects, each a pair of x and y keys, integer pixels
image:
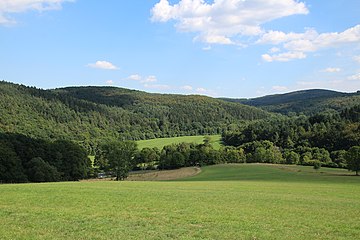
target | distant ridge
[
  {"x": 304, "y": 101},
  {"x": 92, "y": 114}
]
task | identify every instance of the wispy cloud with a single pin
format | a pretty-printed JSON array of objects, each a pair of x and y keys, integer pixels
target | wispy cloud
[
  {"x": 8, "y": 7},
  {"x": 109, "y": 82},
  {"x": 357, "y": 58},
  {"x": 354, "y": 77},
  {"x": 331, "y": 70},
  {"x": 135, "y": 77},
  {"x": 280, "y": 88},
  {"x": 141, "y": 79},
  {"x": 103, "y": 65},
  {"x": 187, "y": 88},
  {"x": 157, "y": 86}
]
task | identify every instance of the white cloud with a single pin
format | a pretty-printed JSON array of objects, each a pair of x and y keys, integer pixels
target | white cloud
[
  {"x": 207, "y": 48},
  {"x": 279, "y": 88},
  {"x": 310, "y": 40},
  {"x": 357, "y": 58},
  {"x": 222, "y": 21},
  {"x": 8, "y": 7},
  {"x": 274, "y": 50},
  {"x": 103, "y": 65},
  {"x": 110, "y": 82},
  {"x": 283, "y": 57},
  {"x": 201, "y": 90},
  {"x": 187, "y": 88},
  {"x": 149, "y": 79},
  {"x": 331, "y": 70},
  {"x": 137, "y": 77},
  {"x": 157, "y": 86},
  {"x": 354, "y": 77}
]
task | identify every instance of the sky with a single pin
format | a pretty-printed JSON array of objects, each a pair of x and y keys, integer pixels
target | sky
[{"x": 219, "y": 48}]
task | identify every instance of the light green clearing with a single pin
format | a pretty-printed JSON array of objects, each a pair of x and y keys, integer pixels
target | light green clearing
[
  {"x": 161, "y": 142},
  {"x": 223, "y": 202}
]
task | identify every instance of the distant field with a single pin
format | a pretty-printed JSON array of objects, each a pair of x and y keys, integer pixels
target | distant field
[
  {"x": 161, "y": 142},
  {"x": 249, "y": 201}
]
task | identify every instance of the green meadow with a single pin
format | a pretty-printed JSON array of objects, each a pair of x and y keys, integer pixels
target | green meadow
[
  {"x": 249, "y": 201},
  {"x": 161, "y": 142}
]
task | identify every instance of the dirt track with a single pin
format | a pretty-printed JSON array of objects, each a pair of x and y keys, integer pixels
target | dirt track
[{"x": 164, "y": 175}]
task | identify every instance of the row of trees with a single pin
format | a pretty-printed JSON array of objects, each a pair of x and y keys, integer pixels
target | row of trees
[
  {"x": 24, "y": 159},
  {"x": 119, "y": 158}
]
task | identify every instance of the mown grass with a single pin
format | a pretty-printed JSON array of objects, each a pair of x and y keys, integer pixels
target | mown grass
[
  {"x": 161, "y": 142},
  {"x": 222, "y": 202}
]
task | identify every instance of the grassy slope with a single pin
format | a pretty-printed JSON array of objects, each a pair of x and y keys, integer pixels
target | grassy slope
[
  {"x": 255, "y": 202},
  {"x": 161, "y": 142}
]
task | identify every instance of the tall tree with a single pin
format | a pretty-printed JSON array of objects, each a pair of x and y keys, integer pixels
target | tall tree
[
  {"x": 119, "y": 156},
  {"x": 353, "y": 159}
]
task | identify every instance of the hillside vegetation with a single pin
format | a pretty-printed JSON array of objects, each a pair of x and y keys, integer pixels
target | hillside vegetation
[
  {"x": 90, "y": 115},
  {"x": 239, "y": 202},
  {"x": 306, "y": 101}
]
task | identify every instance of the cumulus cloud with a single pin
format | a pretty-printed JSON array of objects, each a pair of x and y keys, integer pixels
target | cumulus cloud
[
  {"x": 222, "y": 21},
  {"x": 331, "y": 70},
  {"x": 8, "y": 7},
  {"x": 103, "y": 65},
  {"x": 109, "y": 82},
  {"x": 283, "y": 57},
  {"x": 309, "y": 41}
]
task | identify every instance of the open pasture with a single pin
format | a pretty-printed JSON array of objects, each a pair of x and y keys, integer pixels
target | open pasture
[
  {"x": 161, "y": 142},
  {"x": 249, "y": 201}
]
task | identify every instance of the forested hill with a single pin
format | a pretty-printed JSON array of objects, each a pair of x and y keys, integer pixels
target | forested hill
[
  {"x": 306, "y": 101},
  {"x": 89, "y": 114}
]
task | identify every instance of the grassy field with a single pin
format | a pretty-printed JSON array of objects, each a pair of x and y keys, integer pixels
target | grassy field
[
  {"x": 222, "y": 202},
  {"x": 161, "y": 142}
]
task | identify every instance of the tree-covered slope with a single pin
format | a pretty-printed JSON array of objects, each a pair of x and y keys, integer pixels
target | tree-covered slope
[
  {"x": 90, "y": 114},
  {"x": 306, "y": 101}
]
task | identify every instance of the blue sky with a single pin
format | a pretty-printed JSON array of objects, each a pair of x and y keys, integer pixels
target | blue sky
[{"x": 220, "y": 48}]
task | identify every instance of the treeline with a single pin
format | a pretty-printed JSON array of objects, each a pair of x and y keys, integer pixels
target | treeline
[
  {"x": 25, "y": 159},
  {"x": 188, "y": 154},
  {"x": 323, "y": 137},
  {"x": 91, "y": 115}
]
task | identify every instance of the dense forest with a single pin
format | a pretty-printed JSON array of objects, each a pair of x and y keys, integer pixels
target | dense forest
[
  {"x": 303, "y": 102},
  {"x": 47, "y": 135},
  {"x": 91, "y": 115},
  {"x": 25, "y": 159},
  {"x": 324, "y": 136}
]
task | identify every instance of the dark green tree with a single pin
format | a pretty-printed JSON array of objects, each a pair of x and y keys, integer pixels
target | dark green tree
[
  {"x": 292, "y": 157},
  {"x": 119, "y": 157},
  {"x": 11, "y": 170},
  {"x": 353, "y": 159},
  {"x": 40, "y": 171}
]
